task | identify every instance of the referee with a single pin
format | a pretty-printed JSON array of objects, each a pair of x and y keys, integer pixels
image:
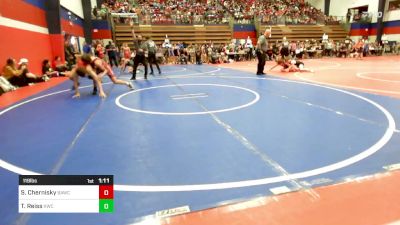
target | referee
[
  {"x": 152, "y": 49},
  {"x": 262, "y": 48},
  {"x": 140, "y": 57}
]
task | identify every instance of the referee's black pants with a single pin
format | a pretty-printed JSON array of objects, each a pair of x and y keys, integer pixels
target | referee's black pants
[
  {"x": 139, "y": 59},
  {"x": 152, "y": 59},
  {"x": 261, "y": 62},
  {"x": 113, "y": 60}
]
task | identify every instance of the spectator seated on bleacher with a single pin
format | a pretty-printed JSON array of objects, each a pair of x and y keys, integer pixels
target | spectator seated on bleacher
[
  {"x": 216, "y": 11},
  {"x": 279, "y": 11},
  {"x": 170, "y": 11}
]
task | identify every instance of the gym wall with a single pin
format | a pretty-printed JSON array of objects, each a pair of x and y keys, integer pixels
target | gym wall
[{"x": 24, "y": 32}]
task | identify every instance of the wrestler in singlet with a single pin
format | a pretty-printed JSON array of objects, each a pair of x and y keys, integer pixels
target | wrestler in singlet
[
  {"x": 298, "y": 64},
  {"x": 100, "y": 51},
  {"x": 98, "y": 69},
  {"x": 101, "y": 67}
]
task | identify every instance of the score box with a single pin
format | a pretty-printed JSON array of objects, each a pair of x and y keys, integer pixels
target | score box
[
  {"x": 106, "y": 197},
  {"x": 66, "y": 194}
]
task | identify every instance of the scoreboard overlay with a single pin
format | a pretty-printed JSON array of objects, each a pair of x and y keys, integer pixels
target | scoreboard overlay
[{"x": 66, "y": 194}]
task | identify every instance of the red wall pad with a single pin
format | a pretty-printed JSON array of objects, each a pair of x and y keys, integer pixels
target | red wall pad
[
  {"x": 24, "y": 44},
  {"x": 57, "y": 45},
  {"x": 102, "y": 34},
  {"x": 72, "y": 29},
  {"x": 22, "y": 11}
]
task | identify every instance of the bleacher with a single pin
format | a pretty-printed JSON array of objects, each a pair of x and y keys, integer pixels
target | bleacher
[
  {"x": 306, "y": 32},
  {"x": 223, "y": 33},
  {"x": 191, "y": 34}
]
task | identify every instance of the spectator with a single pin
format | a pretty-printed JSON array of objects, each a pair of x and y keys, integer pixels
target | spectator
[
  {"x": 58, "y": 65},
  {"x": 112, "y": 53},
  {"x": 69, "y": 52},
  {"x": 348, "y": 16},
  {"x": 47, "y": 70},
  {"x": 87, "y": 48},
  {"x": 249, "y": 48},
  {"x": 217, "y": 11},
  {"x": 31, "y": 78},
  {"x": 95, "y": 13},
  {"x": 20, "y": 76},
  {"x": 343, "y": 50},
  {"x": 198, "y": 57},
  {"x": 13, "y": 74},
  {"x": 103, "y": 11}
]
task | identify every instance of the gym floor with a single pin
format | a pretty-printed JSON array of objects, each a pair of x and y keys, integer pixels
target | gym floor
[{"x": 213, "y": 136}]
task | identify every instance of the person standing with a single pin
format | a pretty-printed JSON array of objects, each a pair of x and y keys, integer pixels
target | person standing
[
  {"x": 125, "y": 57},
  {"x": 87, "y": 48},
  {"x": 358, "y": 49},
  {"x": 152, "y": 49},
  {"x": 284, "y": 52},
  {"x": 140, "y": 58},
  {"x": 69, "y": 52},
  {"x": 385, "y": 42},
  {"x": 249, "y": 46},
  {"x": 112, "y": 53},
  {"x": 348, "y": 16},
  {"x": 167, "y": 44},
  {"x": 262, "y": 48}
]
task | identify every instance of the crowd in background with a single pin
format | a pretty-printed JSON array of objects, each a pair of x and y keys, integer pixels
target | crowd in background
[
  {"x": 167, "y": 12},
  {"x": 297, "y": 49},
  {"x": 183, "y": 12},
  {"x": 15, "y": 75},
  {"x": 192, "y": 11},
  {"x": 394, "y": 5},
  {"x": 19, "y": 75},
  {"x": 273, "y": 12},
  {"x": 215, "y": 11},
  {"x": 241, "y": 50}
]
